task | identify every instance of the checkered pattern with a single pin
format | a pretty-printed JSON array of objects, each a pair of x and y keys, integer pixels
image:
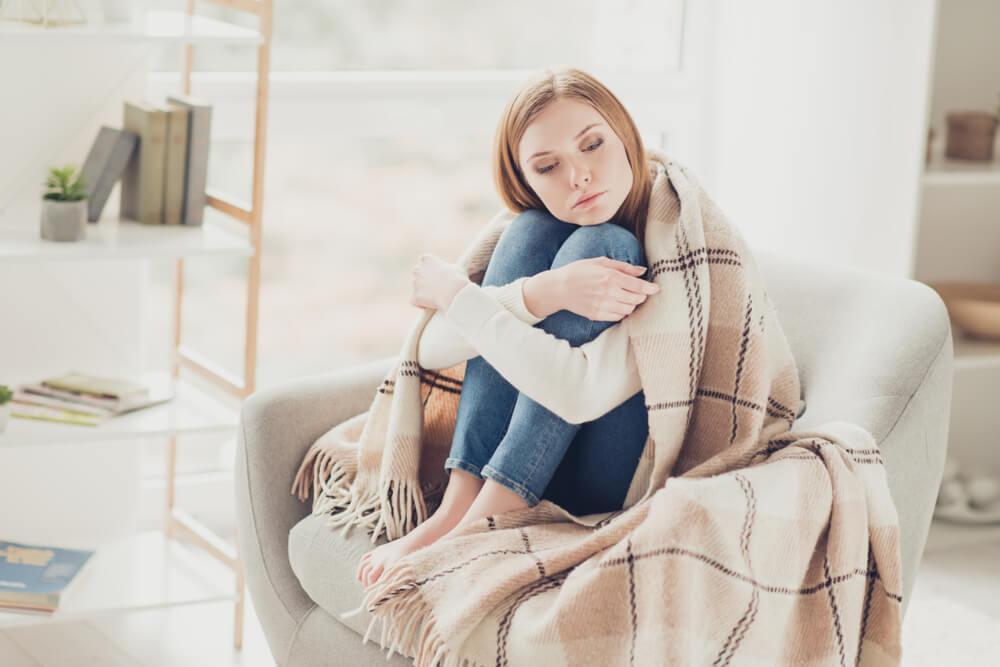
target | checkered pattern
[{"x": 741, "y": 541}]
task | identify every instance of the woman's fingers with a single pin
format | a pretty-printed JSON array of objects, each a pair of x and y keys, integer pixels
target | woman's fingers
[
  {"x": 373, "y": 574},
  {"x": 362, "y": 564},
  {"x": 632, "y": 298},
  {"x": 632, "y": 269},
  {"x": 639, "y": 285}
]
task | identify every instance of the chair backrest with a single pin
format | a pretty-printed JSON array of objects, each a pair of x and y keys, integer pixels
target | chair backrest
[{"x": 863, "y": 341}]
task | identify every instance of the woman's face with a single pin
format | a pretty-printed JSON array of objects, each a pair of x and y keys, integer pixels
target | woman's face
[{"x": 576, "y": 161}]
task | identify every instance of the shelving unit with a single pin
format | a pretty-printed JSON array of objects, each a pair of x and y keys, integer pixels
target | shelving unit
[
  {"x": 184, "y": 563},
  {"x": 114, "y": 238},
  {"x": 147, "y": 571},
  {"x": 958, "y": 238},
  {"x": 945, "y": 172},
  {"x": 157, "y": 26}
]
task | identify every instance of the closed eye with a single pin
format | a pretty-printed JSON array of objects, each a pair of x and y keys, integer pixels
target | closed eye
[{"x": 592, "y": 147}]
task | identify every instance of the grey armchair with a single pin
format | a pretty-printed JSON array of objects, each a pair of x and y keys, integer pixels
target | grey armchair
[{"x": 871, "y": 349}]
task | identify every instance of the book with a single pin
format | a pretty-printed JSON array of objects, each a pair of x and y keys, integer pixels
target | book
[
  {"x": 45, "y": 413},
  {"x": 105, "y": 164},
  {"x": 178, "y": 118},
  {"x": 142, "y": 181},
  {"x": 34, "y": 577},
  {"x": 199, "y": 141},
  {"x": 160, "y": 393},
  {"x": 28, "y": 398},
  {"x": 103, "y": 387}
]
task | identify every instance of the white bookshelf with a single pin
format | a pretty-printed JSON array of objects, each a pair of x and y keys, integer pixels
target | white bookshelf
[
  {"x": 958, "y": 238},
  {"x": 946, "y": 172},
  {"x": 973, "y": 353},
  {"x": 184, "y": 563},
  {"x": 112, "y": 237},
  {"x": 192, "y": 411},
  {"x": 156, "y": 27},
  {"x": 143, "y": 571}
]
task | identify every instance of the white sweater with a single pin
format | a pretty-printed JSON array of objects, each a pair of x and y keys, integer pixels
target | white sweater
[{"x": 580, "y": 384}]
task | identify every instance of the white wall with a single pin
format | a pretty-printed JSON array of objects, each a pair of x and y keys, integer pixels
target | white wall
[{"x": 815, "y": 122}]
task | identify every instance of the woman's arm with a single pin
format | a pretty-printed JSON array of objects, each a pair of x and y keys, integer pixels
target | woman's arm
[
  {"x": 579, "y": 384},
  {"x": 441, "y": 345}
]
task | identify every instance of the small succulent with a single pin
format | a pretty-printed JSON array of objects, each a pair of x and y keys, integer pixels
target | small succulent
[
  {"x": 65, "y": 184},
  {"x": 5, "y": 394}
]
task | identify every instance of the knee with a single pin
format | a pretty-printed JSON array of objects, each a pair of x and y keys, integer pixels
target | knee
[
  {"x": 526, "y": 247},
  {"x": 603, "y": 240}
]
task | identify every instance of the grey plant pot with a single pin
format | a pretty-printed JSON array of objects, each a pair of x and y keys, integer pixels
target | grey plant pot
[{"x": 64, "y": 220}]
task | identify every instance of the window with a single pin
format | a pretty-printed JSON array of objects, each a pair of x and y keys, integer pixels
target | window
[{"x": 369, "y": 167}]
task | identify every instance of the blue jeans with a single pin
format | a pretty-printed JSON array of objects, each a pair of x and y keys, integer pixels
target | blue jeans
[{"x": 503, "y": 435}]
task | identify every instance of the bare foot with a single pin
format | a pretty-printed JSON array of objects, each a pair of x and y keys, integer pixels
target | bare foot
[{"x": 382, "y": 557}]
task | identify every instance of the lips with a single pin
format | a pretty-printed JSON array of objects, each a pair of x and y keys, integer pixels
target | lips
[{"x": 588, "y": 199}]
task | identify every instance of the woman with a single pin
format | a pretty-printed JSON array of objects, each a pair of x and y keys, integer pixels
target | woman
[{"x": 569, "y": 159}]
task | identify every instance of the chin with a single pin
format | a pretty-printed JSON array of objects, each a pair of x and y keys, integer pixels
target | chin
[{"x": 595, "y": 216}]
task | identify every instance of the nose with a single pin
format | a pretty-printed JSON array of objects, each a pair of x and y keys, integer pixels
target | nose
[{"x": 580, "y": 175}]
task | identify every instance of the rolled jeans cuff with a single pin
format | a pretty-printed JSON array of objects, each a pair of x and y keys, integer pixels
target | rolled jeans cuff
[
  {"x": 451, "y": 462},
  {"x": 516, "y": 487}
]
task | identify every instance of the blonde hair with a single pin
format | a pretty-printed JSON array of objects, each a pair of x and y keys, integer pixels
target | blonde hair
[{"x": 540, "y": 90}]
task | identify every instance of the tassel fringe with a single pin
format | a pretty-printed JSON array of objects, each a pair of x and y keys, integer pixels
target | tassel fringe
[
  {"x": 328, "y": 473},
  {"x": 403, "y": 507},
  {"x": 408, "y": 624}
]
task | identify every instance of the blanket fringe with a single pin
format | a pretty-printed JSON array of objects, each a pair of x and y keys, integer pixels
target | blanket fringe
[
  {"x": 403, "y": 507},
  {"x": 328, "y": 474},
  {"x": 358, "y": 511},
  {"x": 408, "y": 624}
]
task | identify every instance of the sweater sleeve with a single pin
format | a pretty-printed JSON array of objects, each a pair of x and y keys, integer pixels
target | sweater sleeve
[
  {"x": 441, "y": 345},
  {"x": 579, "y": 384}
]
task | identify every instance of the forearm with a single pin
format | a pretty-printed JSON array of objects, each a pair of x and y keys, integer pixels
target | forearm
[
  {"x": 441, "y": 345},
  {"x": 543, "y": 293},
  {"x": 601, "y": 373}
]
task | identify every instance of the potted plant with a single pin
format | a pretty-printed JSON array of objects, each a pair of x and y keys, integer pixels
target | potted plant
[
  {"x": 5, "y": 396},
  {"x": 64, "y": 206},
  {"x": 971, "y": 134}
]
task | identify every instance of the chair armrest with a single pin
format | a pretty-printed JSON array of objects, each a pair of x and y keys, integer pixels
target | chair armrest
[{"x": 277, "y": 426}]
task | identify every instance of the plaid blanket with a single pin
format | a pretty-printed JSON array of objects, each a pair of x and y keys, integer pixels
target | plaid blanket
[{"x": 741, "y": 541}]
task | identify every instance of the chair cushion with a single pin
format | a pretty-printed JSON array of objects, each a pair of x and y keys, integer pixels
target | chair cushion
[{"x": 325, "y": 562}]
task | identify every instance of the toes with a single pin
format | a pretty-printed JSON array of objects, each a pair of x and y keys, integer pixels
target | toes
[
  {"x": 374, "y": 575},
  {"x": 362, "y": 564}
]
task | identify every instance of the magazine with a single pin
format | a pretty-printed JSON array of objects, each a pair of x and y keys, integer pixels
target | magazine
[
  {"x": 41, "y": 401},
  {"x": 35, "y": 577}
]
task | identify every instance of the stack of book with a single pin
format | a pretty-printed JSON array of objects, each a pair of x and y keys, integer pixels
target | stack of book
[
  {"x": 161, "y": 156},
  {"x": 83, "y": 399},
  {"x": 35, "y": 578}
]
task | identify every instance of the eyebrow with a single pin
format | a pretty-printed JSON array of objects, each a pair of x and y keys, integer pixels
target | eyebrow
[{"x": 574, "y": 139}]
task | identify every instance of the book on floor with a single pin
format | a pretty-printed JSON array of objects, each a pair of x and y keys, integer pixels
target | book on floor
[{"x": 35, "y": 578}]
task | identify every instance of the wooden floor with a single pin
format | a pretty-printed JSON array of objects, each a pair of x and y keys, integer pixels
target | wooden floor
[{"x": 953, "y": 618}]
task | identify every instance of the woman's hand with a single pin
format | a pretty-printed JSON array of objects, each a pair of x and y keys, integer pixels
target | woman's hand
[
  {"x": 436, "y": 282},
  {"x": 603, "y": 289}
]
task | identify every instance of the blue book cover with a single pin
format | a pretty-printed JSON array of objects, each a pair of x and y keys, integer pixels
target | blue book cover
[{"x": 34, "y": 576}]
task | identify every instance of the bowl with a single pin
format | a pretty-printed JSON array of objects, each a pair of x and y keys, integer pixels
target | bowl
[{"x": 973, "y": 307}]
